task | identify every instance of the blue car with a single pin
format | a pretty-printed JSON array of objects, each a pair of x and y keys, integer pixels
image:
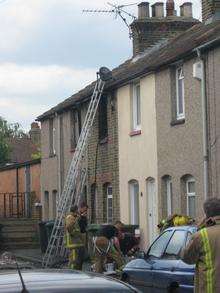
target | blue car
[{"x": 161, "y": 269}]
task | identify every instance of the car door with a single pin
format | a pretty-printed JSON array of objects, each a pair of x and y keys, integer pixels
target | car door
[
  {"x": 165, "y": 269},
  {"x": 156, "y": 251},
  {"x": 139, "y": 271}
]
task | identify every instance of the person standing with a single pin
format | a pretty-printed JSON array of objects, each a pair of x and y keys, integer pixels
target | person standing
[
  {"x": 83, "y": 225},
  {"x": 204, "y": 250},
  {"x": 73, "y": 238}
]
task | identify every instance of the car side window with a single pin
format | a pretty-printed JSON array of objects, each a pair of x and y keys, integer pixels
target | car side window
[
  {"x": 158, "y": 247},
  {"x": 175, "y": 245},
  {"x": 188, "y": 238}
]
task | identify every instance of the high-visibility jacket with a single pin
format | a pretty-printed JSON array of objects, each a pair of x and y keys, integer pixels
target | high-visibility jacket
[
  {"x": 204, "y": 251},
  {"x": 73, "y": 235}
]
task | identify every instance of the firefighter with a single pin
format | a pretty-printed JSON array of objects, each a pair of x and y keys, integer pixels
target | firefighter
[
  {"x": 204, "y": 250},
  {"x": 105, "y": 251},
  {"x": 74, "y": 239}
]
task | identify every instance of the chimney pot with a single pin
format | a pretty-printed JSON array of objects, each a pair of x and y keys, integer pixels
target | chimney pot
[
  {"x": 143, "y": 10},
  {"x": 170, "y": 7},
  {"x": 186, "y": 9},
  {"x": 158, "y": 9}
]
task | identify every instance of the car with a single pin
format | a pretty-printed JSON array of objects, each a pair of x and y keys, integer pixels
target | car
[
  {"x": 60, "y": 281},
  {"x": 161, "y": 269}
]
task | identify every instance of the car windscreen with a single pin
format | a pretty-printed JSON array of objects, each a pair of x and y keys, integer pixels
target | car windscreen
[
  {"x": 175, "y": 244},
  {"x": 158, "y": 247}
]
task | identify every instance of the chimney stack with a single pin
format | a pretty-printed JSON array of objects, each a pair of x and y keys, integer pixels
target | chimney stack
[
  {"x": 210, "y": 10},
  {"x": 170, "y": 8},
  {"x": 186, "y": 9},
  {"x": 35, "y": 133},
  {"x": 158, "y": 9},
  {"x": 150, "y": 31},
  {"x": 143, "y": 10}
]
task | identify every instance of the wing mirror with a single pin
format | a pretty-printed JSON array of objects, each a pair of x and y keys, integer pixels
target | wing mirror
[{"x": 141, "y": 254}]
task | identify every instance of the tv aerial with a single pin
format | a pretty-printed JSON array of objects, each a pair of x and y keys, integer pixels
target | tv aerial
[{"x": 118, "y": 11}]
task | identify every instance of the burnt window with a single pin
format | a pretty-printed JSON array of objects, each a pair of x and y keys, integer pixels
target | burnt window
[
  {"x": 75, "y": 124},
  {"x": 103, "y": 118}
]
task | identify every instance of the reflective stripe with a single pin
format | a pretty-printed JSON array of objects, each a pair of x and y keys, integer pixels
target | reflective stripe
[{"x": 208, "y": 261}]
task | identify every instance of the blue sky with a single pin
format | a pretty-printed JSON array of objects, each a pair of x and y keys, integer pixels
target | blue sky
[{"x": 49, "y": 49}]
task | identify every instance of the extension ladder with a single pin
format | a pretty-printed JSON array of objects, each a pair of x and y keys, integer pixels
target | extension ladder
[{"x": 76, "y": 176}]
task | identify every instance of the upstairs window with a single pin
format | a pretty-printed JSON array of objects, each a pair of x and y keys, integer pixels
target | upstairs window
[
  {"x": 180, "y": 107},
  {"x": 103, "y": 118},
  {"x": 136, "y": 107},
  {"x": 75, "y": 122},
  {"x": 52, "y": 130}
]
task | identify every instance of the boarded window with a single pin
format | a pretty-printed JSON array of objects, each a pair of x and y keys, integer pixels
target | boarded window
[
  {"x": 75, "y": 124},
  {"x": 103, "y": 118}
]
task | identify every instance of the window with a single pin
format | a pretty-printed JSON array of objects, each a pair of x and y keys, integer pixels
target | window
[
  {"x": 134, "y": 202},
  {"x": 109, "y": 204},
  {"x": 75, "y": 122},
  {"x": 46, "y": 205},
  {"x": 136, "y": 107},
  {"x": 191, "y": 197},
  {"x": 54, "y": 204},
  {"x": 103, "y": 117},
  {"x": 168, "y": 194},
  {"x": 52, "y": 130},
  {"x": 180, "y": 114},
  {"x": 158, "y": 247},
  {"x": 93, "y": 203},
  {"x": 175, "y": 245}
]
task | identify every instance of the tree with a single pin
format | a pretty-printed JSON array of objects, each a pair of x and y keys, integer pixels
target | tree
[{"x": 8, "y": 130}]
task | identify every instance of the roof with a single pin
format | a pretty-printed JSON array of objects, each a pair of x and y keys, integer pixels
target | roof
[
  {"x": 151, "y": 60},
  {"x": 22, "y": 149},
  {"x": 11, "y": 166}
]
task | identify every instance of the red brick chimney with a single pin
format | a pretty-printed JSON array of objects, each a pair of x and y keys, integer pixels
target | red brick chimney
[
  {"x": 170, "y": 7},
  {"x": 149, "y": 31}
]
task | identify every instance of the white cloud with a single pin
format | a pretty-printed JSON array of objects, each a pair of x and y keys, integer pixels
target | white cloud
[{"x": 28, "y": 91}]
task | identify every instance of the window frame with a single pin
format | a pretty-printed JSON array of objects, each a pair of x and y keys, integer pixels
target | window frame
[
  {"x": 164, "y": 247},
  {"x": 75, "y": 127},
  {"x": 180, "y": 116},
  {"x": 189, "y": 194},
  {"x": 169, "y": 195},
  {"x": 52, "y": 131},
  {"x": 136, "y": 107},
  {"x": 109, "y": 197}
]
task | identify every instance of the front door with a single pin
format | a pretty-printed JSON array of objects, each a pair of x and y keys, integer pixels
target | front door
[{"x": 151, "y": 209}]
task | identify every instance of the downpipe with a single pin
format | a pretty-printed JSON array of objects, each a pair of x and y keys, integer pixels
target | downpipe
[{"x": 205, "y": 124}]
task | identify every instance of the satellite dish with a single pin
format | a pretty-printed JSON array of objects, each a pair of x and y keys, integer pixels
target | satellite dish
[{"x": 105, "y": 74}]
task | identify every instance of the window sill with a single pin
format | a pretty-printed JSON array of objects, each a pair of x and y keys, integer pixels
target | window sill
[
  {"x": 177, "y": 122},
  {"x": 135, "y": 132}
]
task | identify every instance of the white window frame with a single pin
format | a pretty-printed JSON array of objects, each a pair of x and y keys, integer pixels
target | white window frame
[
  {"x": 169, "y": 196},
  {"x": 136, "y": 115},
  {"x": 109, "y": 197},
  {"x": 180, "y": 77},
  {"x": 189, "y": 194}
]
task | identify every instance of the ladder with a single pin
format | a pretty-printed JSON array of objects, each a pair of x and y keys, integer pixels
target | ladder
[{"x": 76, "y": 177}]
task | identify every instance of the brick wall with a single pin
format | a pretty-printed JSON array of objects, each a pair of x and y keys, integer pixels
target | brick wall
[
  {"x": 106, "y": 170},
  {"x": 13, "y": 180}
]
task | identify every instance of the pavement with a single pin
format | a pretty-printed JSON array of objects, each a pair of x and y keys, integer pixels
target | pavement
[{"x": 33, "y": 256}]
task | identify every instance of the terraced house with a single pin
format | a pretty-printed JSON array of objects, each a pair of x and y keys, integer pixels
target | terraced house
[{"x": 154, "y": 147}]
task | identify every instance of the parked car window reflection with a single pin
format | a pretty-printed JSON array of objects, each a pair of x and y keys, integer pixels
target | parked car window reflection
[
  {"x": 175, "y": 245},
  {"x": 160, "y": 244}
]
